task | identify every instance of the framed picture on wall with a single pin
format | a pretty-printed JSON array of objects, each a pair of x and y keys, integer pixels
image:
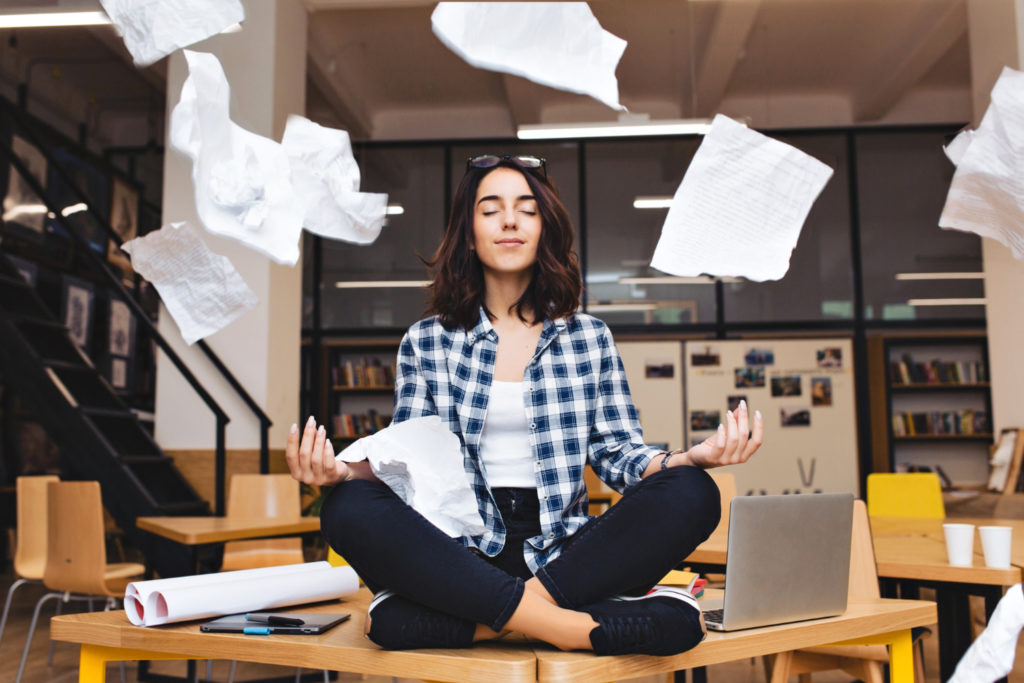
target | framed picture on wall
[
  {"x": 21, "y": 205},
  {"x": 124, "y": 219},
  {"x": 77, "y": 304},
  {"x": 122, "y": 329}
]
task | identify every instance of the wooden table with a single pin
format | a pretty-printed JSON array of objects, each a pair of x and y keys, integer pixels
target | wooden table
[
  {"x": 108, "y": 636},
  {"x": 202, "y": 530},
  {"x": 913, "y": 550}
]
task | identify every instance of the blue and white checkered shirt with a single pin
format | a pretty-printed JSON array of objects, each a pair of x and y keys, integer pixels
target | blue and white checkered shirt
[{"x": 578, "y": 408}]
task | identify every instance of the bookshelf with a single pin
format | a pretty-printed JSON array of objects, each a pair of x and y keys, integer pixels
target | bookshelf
[
  {"x": 931, "y": 405},
  {"x": 358, "y": 387}
]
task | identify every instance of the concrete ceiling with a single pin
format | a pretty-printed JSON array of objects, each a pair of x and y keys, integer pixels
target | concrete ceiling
[{"x": 376, "y": 69}]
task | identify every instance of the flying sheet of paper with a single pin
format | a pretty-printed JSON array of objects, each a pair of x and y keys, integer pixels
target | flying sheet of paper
[
  {"x": 153, "y": 29},
  {"x": 325, "y": 176},
  {"x": 242, "y": 180},
  {"x": 558, "y": 44},
  {"x": 740, "y": 207},
  {"x": 202, "y": 290},
  {"x": 987, "y": 193},
  {"x": 958, "y": 145},
  {"x": 421, "y": 461}
]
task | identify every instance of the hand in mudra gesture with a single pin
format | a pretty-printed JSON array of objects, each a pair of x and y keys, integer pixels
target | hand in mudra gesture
[
  {"x": 733, "y": 443},
  {"x": 311, "y": 459}
]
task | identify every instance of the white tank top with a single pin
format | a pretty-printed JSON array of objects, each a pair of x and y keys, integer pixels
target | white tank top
[{"x": 505, "y": 441}]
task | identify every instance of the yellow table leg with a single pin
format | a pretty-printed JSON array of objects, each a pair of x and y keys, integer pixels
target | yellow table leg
[
  {"x": 92, "y": 661},
  {"x": 901, "y": 658}
]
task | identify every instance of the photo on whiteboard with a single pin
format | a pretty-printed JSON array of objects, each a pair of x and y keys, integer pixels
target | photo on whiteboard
[
  {"x": 706, "y": 356},
  {"x": 733, "y": 402},
  {"x": 821, "y": 391},
  {"x": 704, "y": 420},
  {"x": 659, "y": 369},
  {"x": 787, "y": 385},
  {"x": 798, "y": 416},
  {"x": 750, "y": 377},
  {"x": 831, "y": 357},
  {"x": 757, "y": 356}
]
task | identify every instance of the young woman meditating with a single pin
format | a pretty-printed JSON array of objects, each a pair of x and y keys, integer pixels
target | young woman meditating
[{"x": 535, "y": 391}]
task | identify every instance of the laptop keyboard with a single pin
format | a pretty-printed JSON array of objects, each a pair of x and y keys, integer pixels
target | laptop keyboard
[{"x": 713, "y": 615}]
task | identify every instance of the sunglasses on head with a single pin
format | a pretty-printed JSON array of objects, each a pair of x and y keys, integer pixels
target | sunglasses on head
[{"x": 524, "y": 161}]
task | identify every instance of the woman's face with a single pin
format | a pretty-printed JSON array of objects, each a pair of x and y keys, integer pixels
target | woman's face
[{"x": 506, "y": 223}]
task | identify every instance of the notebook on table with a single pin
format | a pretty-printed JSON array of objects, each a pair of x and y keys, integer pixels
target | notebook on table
[
  {"x": 788, "y": 560},
  {"x": 265, "y": 623}
]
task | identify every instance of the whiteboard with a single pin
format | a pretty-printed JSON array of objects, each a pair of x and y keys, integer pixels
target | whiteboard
[{"x": 803, "y": 388}]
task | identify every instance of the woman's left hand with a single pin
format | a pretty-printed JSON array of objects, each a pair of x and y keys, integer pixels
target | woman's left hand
[{"x": 732, "y": 444}]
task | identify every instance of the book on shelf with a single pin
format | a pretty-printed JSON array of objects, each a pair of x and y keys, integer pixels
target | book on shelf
[
  {"x": 907, "y": 371},
  {"x": 367, "y": 372},
  {"x": 359, "y": 424},
  {"x": 965, "y": 422}
]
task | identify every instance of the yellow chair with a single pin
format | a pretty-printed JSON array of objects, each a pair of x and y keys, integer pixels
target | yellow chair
[
  {"x": 30, "y": 553},
  {"x": 263, "y": 495},
  {"x": 909, "y": 494},
  {"x": 861, "y": 661},
  {"x": 76, "y": 552}
]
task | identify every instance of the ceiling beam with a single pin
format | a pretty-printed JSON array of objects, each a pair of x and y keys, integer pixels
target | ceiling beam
[
  {"x": 337, "y": 92},
  {"x": 937, "y": 30},
  {"x": 725, "y": 48}
]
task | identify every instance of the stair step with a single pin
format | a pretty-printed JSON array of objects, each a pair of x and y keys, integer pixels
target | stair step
[
  {"x": 161, "y": 479},
  {"x": 50, "y": 341},
  {"x": 143, "y": 459},
  {"x": 89, "y": 391},
  {"x": 18, "y": 299},
  {"x": 98, "y": 411},
  {"x": 14, "y": 279},
  {"x": 123, "y": 433}
]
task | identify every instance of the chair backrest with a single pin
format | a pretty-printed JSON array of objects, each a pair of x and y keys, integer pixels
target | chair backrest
[
  {"x": 726, "y": 482},
  {"x": 30, "y": 554},
  {"x": 905, "y": 494},
  {"x": 263, "y": 495},
  {"x": 863, "y": 569},
  {"x": 76, "y": 553}
]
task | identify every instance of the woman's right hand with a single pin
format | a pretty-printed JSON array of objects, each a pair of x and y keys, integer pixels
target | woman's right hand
[{"x": 311, "y": 460}]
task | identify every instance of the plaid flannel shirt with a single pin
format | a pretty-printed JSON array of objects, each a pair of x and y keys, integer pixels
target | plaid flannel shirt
[{"x": 578, "y": 408}]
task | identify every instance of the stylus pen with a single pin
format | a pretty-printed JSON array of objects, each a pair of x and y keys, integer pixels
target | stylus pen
[{"x": 274, "y": 619}]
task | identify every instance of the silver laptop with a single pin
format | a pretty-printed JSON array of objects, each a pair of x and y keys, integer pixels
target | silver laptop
[{"x": 788, "y": 560}]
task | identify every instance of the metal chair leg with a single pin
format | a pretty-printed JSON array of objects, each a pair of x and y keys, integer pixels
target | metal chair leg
[
  {"x": 209, "y": 670},
  {"x": 7, "y": 603},
  {"x": 53, "y": 644},
  {"x": 231, "y": 671},
  {"x": 31, "y": 631}
]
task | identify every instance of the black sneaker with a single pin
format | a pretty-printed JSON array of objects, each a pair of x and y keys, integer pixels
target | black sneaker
[
  {"x": 666, "y": 621},
  {"x": 397, "y": 623}
]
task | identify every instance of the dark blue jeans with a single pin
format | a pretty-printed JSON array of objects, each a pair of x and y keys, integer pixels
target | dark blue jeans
[{"x": 656, "y": 525}]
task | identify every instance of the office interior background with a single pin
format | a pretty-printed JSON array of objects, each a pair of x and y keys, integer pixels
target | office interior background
[{"x": 872, "y": 89}]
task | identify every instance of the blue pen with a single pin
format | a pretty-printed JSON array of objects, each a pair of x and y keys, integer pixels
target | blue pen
[{"x": 256, "y": 630}]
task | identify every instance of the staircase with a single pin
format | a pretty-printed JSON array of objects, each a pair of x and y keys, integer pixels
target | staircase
[{"x": 99, "y": 437}]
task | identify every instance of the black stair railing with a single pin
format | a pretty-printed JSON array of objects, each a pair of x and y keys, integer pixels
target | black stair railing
[
  {"x": 221, "y": 417},
  {"x": 25, "y": 126}
]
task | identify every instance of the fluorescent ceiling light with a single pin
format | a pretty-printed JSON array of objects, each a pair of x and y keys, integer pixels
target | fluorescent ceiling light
[
  {"x": 395, "y": 210},
  {"x": 940, "y": 276},
  {"x": 672, "y": 280},
  {"x": 380, "y": 284},
  {"x": 23, "y": 210},
  {"x": 44, "y": 19},
  {"x": 613, "y": 129},
  {"x": 946, "y": 302},
  {"x": 652, "y": 202}
]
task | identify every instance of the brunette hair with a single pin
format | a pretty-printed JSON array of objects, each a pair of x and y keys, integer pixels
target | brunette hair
[{"x": 457, "y": 289}]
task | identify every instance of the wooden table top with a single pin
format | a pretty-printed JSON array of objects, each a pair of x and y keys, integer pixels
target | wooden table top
[
  {"x": 511, "y": 659},
  {"x": 913, "y": 548},
  {"x": 200, "y": 530}
]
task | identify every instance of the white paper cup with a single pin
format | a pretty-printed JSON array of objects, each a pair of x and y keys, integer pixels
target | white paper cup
[
  {"x": 959, "y": 544},
  {"x": 995, "y": 541}
]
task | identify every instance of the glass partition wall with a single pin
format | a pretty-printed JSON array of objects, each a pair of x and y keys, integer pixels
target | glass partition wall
[{"x": 869, "y": 240}]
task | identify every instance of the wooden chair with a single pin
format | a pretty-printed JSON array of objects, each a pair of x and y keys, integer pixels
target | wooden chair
[
  {"x": 76, "y": 552},
  {"x": 263, "y": 495},
  {"x": 905, "y": 494},
  {"x": 861, "y": 661},
  {"x": 30, "y": 552}
]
